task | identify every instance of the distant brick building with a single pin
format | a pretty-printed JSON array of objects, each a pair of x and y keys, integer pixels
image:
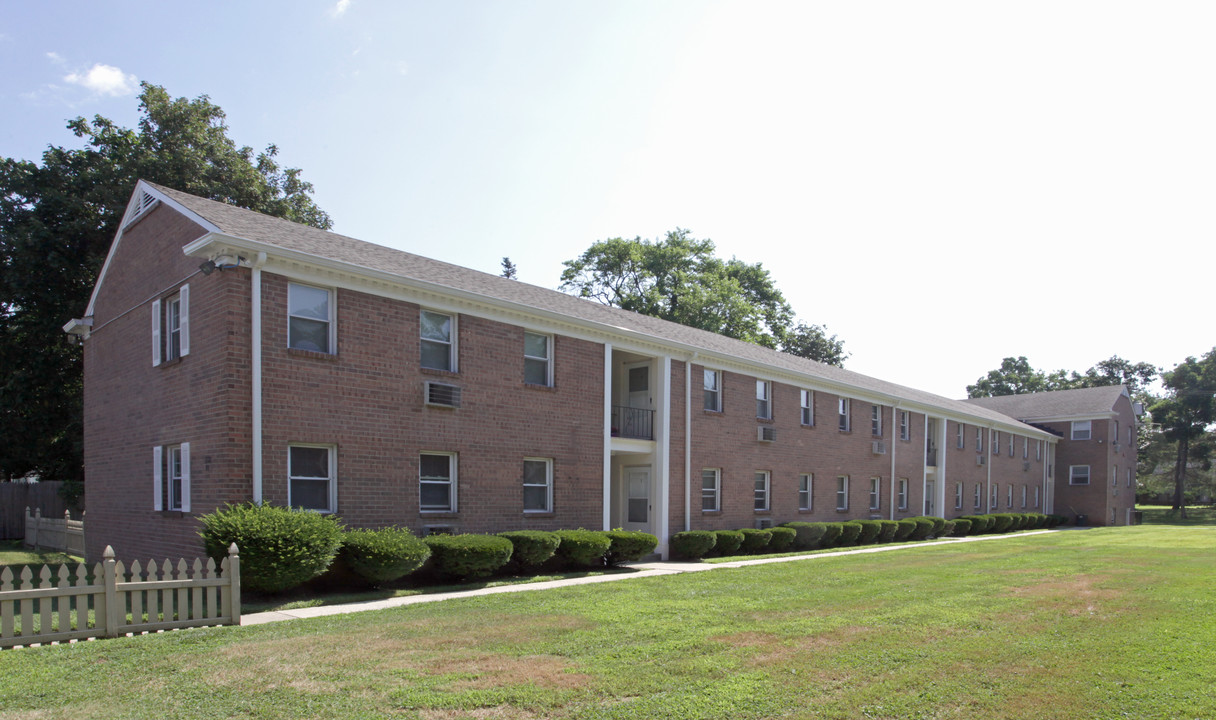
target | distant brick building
[{"x": 232, "y": 356}]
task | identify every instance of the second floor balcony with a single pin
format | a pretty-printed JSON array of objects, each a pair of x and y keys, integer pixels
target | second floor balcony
[{"x": 633, "y": 423}]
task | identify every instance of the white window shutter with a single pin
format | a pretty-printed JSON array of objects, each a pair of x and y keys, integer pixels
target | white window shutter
[
  {"x": 157, "y": 469},
  {"x": 184, "y": 321},
  {"x": 155, "y": 334},
  {"x": 185, "y": 476}
]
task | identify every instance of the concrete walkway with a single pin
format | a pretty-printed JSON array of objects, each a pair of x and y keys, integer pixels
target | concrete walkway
[{"x": 642, "y": 570}]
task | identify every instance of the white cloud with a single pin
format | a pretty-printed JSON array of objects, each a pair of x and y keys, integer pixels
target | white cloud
[
  {"x": 340, "y": 9},
  {"x": 105, "y": 80},
  {"x": 55, "y": 58}
]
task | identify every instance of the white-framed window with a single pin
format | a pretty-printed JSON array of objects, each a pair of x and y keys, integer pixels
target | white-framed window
[
  {"x": 1116, "y": 427},
  {"x": 876, "y": 420},
  {"x": 1078, "y": 474},
  {"x": 807, "y": 401},
  {"x": 711, "y": 490},
  {"x": 310, "y": 318},
  {"x": 806, "y": 495},
  {"x": 842, "y": 412},
  {"x": 961, "y": 441},
  {"x": 1010, "y": 444},
  {"x": 762, "y": 478},
  {"x": 979, "y": 494},
  {"x": 1036, "y": 496},
  {"x": 875, "y": 493},
  {"x": 312, "y": 478},
  {"x": 437, "y": 482},
  {"x": 901, "y": 495},
  {"x": 438, "y": 337},
  {"x": 764, "y": 406},
  {"x": 1009, "y": 496},
  {"x": 1023, "y": 497},
  {"x": 1082, "y": 429},
  {"x": 958, "y": 496},
  {"x": 995, "y": 445},
  {"x": 171, "y": 327},
  {"x": 1114, "y": 477},
  {"x": 1038, "y": 450},
  {"x": 992, "y": 500},
  {"x": 1025, "y": 448},
  {"x": 538, "y": 484},
  {"x": 712, "y": 383},
  {"x": 538, "y": 366},
  {"x": 905, "y": 431},
  {"x": 979, "y": 439},
  {"x": 842, "y": 492},
  {"x": 171, "y": 477}
]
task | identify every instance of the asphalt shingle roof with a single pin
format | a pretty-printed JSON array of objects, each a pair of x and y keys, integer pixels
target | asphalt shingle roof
[{"x": 1059, "y": 403}]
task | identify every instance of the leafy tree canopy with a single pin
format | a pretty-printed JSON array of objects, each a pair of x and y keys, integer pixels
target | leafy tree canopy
[
  {"x": 1185, "y": 414},
  {"x": 678, "y": 278},
  {"x": 1016, "y": 376},
  {"x": 57, "y": 220}
]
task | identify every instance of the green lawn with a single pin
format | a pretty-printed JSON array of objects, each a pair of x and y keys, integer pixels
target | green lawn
[
  {"x": 1094, "y": 623},
  {"x": 1166, "y": 515},
  {"x": 13, "y": 553}
]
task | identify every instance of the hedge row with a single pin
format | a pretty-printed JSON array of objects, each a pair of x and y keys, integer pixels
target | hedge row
[{"x": 695, "y": 544}]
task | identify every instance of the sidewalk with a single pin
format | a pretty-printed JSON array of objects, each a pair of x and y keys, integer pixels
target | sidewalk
[{"x": 644, "y": 570}]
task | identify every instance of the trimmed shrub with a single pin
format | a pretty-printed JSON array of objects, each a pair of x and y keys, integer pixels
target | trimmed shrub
[
  {"x": 693, "y": 544},
  {"x": 582, "y": 548},
  {"x": 939, "y": 526},
  {"x": 809, "y": 534},
  {"x": 906, "y": 528},
  {"x": 962, "y": 527},
  {"x": 947, "y": 529},
  {"x": 531, "y": 548},
  {"x": 924, "y": 528},
  {"x": 782, "y": 539},
  {"x": 1040, "y": 520},
  {"x": 468, "y": 556},
  {"x": 280, "y": 547},
  {"x": 383, "y": 555},
  {"x": 729, "y": 542},
  {"x": 831, "y": 534},
  {"x": 755, "y": 541},
  {"x": 850, "y": 530},
  {"x": 979, "y": 523},
  {"x": 628, "y": 546},
  {"x": 1056, "y": 520},
  {"x": 889, "y": 528},
  {"x": 1000, "y": 523},
  {"x": 870, "y": 530}
]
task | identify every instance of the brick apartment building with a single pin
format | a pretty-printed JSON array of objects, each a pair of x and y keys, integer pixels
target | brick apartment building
[{"x": 231, "y": 356}]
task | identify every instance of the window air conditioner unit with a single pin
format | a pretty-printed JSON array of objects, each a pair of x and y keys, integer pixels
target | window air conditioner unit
[
  {"x": 981, "y": 460},
  {"x": 765, "y": 433},
  {"x": 436, "y": 530},
  {"x": 1116, "y": 446},
  {"x": 442, "y": 394},
  {"x": 764, "y": 523},
  {"x": 879, "y": 447}
]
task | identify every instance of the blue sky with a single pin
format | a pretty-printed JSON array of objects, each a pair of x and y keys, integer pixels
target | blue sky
[{"x": 942, "y": 184}]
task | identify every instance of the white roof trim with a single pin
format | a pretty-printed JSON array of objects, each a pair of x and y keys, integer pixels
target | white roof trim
[{"x": 141, "y": 202}]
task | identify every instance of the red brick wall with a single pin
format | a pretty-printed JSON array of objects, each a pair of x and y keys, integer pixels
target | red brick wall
[{"x": 1099, "y": 498}]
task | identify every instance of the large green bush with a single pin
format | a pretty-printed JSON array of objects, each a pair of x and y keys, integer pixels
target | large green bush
[
  {"x": 889, "y": 528},
  {"x": 809, "y": 534},
  {"x": 831, "y": 534},
  {"x": 693, "y": 544},
  {"x": 849, "y": 532},
  {"x": 383, "y": 555},
  {"x": 924, "y": 528},
  {"x": 782, "y": 539},
  {"x": 755, "y": 541},
  {"x": 280, "y": 548},
  {"x": 939, "y": 526},
  {"x": 531, "y": 548},
  {"x": 727, "y": 542},
  {"x": 870, "y": 530},
  {"x": 1001, "y": 522},
  {"x": 629, "y": 546},
  {"x": 907, "y": 527},
  {"x": 979, "y": 523},
  {"x": 582, "y": 548},
  {"x": 468, "y": 556},
  {"x": 962, "y": 527}
]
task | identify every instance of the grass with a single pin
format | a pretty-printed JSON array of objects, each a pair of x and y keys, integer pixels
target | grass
[
  {"x": 12, "y": 552},
  {"x": 1099, "y": 623},
  {"x": 1166, "y": 515}
]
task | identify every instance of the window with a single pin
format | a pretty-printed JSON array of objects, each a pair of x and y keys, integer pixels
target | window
[
  {"x": 842, "y": 411},
  {"x": 992, "y": 500},
  {"x": 807, "y": 400},
  {"x": 711, "y": 490},
  {"x": 1009, "y": 496},
  {"x": 1116, "y": 433},
  {"x": 876, "y": 420},
  {"x": 875, "y": 493},
  {"x": 842, "y": 492},
  {"x": 764, "y": 410},
  {"x": 996, "y": 442},
  {"x": 1078, "y": 474},
  {"x": 958, "y": 496},
  {"x": 1010, "y": 444},
  {"x": 806, "y": 484},
  {"x": 1114, "y": 477},
  {"x": 902, "y": 494},
  {"x": 438, "y": 348},
  {"x": 1025, "y": 448},
  {"x": 437, "y": 482},
  {"x": 1023, "y": 497},
  {"x": 1036, "y": 495},
  {"x": 171, "y": 477},
  {"x": 537, "y": 368},
  {"x": 1129, "y": 436},
  {"x": 311, "y": 483},
  {"x": 905, "y": 432},
  {"x": 713, "y": 391},
  {"x": 979, "y": 439},
  {"x": 171, "y": 327},
  {"x": 979, "y": 494},
  {"x": 309, "y": 318},
  {"x": 1081, "y": 429},
  {"x": 1038, "y": 450},
  {"x": 538, "y": 485},
  {"x": 960, "y": 441},
  {"x": 761, "y": 491}
]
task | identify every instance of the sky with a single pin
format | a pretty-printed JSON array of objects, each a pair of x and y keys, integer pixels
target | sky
[{"x": 941, "y": 184}]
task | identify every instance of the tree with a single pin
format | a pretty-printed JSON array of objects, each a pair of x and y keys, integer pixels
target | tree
[
  {"x": 57, "y": 220},
  {"x": 812, "y": 341},
  {"x": 1185, "y": 414},
  {"x": 678, "y": 278},
  {"x": 508, "y": 269},
  {"x": 1015, "y": 376}
]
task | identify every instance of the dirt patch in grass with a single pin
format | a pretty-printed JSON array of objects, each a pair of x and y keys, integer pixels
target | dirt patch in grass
[
  {"x": 499, "y": 712},
  {"x": 1072, "y": 596},
  {"x": 775, "y": 649},
  {"x": 492, "y": 671}
]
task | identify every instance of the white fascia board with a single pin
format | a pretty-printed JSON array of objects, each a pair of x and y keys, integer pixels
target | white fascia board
[
  {"x": 1074, "y": 418},
  {"x": 335, "y": 273},
  {"x": 142, "y": 187}
]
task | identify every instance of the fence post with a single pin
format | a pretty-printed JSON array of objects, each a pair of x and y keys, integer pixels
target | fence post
[
  {"x": 31, "y": 538},
  {"x": 234, "y": 579},
  {"x": 111, "y": 588}
]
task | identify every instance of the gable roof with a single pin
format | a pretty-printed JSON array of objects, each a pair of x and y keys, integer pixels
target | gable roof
[
  {"x": 409, "y": 268},
  {"x": 1057, "y": 403}
]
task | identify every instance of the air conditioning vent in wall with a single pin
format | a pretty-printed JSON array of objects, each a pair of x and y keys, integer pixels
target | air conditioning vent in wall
[
  {"x": 765, "y": 433},
  {"x": 436, "y": 530},
  {"x": 1116, "y": 447},
  {"x": 442, "y": 394},
  {"x": 764, "y": 523},
  {"x": 981, "y": 460},
  {"x": 879, "y": 447},
  {"x": 1026, "y": 466}
]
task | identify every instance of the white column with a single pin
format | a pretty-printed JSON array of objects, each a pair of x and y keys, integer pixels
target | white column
[
  {"x": 256, "y": 362},
  {"x": 688, "y": 442},
  {"x": 607, "y": 498},
  {"x": 662, "y": 456}
]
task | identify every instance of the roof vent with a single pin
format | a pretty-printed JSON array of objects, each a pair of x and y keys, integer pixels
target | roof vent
[{"x": 140, "y": 207}]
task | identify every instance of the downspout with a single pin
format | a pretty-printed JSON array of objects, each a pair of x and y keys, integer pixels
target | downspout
[
  {"x": 688, "y": 442},
  {"x": 894, "y": 423},
  {"x": 987, "y": 455},
  {"x": 256, "y": 340}
]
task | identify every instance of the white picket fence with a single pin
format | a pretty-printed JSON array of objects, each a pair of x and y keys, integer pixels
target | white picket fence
[
  {"x": 66, "y": 535},
  {"x": 69, "y": 604}
]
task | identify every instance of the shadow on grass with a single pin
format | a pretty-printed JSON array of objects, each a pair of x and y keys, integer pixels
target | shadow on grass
[{"x": 1166, "y": 515}]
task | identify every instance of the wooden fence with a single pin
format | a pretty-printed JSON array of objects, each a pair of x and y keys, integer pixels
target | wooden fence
[
  {"x": 72, "y": 604},
  {"x": 63, "y": 534},
  {"x": 15, "y": 496}
]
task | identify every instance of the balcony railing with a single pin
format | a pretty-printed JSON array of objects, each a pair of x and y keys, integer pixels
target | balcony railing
[{"x": 636, "y": 423}]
